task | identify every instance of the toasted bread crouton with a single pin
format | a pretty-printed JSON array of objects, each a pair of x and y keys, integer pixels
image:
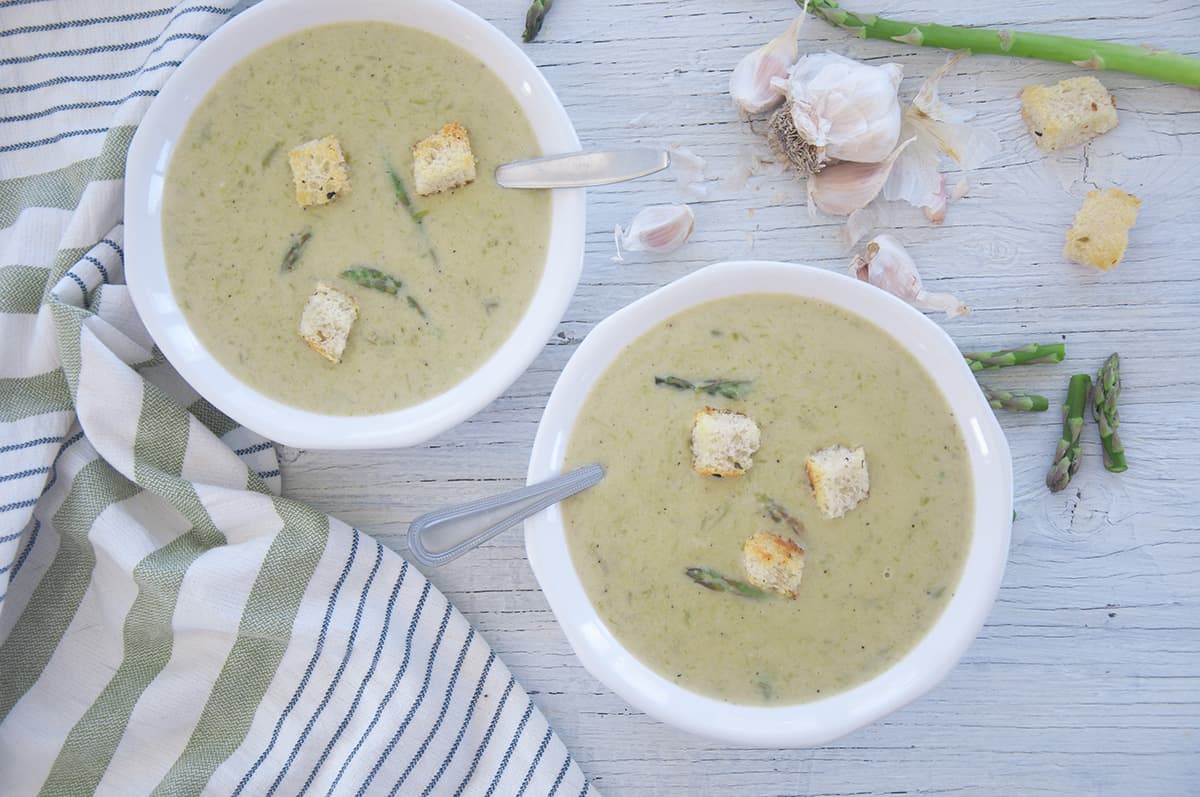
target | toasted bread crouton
[
  {"x": 443, "y": 161},
  {"x": 723, "y": 442},
  {"x": 1067, "y": 113},
  {"x": 326, "y": 321},
  {"x": 773, "y": 562},
  {"x": 839, "y": 479},
  {"x": 319, "y": 171},
  {"x": 1100, "y": 233}
]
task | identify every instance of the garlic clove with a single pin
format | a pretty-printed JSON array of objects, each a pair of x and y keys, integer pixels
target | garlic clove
[
  {"x": 888, "y": 266},
  {"x": 843, "y": 188},
  {"x": 850, "y": 108},
  {"x": 657, "y": 228},
  {"x": 750, "y": 85}
]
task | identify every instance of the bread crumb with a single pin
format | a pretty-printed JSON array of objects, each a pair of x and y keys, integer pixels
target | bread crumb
[
  {"x": 723, "y": 442},
  {"x": 773, "y": 562},
  {"x": 326, "y": 321},
  {"x": 443, "y": 161},
  {"x": 1100, "y": 232},
  {"x": 839, "y": 479},
  {"x": 1070, "y": 112},
  {"x": 319, "y": 171}
]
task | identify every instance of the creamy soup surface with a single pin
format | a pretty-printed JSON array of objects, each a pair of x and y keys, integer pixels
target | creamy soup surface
[
  {"x": 874, "y": 581},
  {"x": 230, "y": 217}
]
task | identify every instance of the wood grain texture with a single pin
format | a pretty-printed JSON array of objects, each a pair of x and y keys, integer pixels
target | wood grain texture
[{"x": 1086, "y": 678}]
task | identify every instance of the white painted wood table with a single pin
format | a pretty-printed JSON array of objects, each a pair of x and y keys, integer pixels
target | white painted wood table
[{"x": 1086, "y": 678}]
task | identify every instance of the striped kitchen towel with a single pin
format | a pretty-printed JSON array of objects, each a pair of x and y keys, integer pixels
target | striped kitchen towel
[{"x": 168, "y": 623}]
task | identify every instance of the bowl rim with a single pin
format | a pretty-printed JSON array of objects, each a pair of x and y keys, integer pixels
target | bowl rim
[
  {"x": 149, "y": 158},
  {"x": 821, "y": 721}
]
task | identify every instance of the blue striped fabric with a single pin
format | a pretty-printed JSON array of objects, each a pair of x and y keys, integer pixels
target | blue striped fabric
[{"x": 215, "y": 637}]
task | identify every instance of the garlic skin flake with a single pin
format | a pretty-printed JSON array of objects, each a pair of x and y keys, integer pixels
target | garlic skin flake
[
  {"x": 938, "y": 130},
  {"x": 657, "y": 228},
  {"x": 887, "y": 266},
  {"x": 750, "y": 85},
  {"x": 851, "y": 109}
]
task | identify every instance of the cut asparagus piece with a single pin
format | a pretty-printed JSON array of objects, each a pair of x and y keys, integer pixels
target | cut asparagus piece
[
  {"x": 711, "y": 579},
  {"x": 534, "y": 18},
  {"x": 374, "y": 279},
  {"x": 1104, "y": 410},
  {"x": 1141, "y": 60},
  {"x": 1014, "y": 400},
  {"x": 729, "y": 388},
  {"x": 1025, "y": 355},
  {"x": 294, "y": 251},
  {"x": 418, "y": 216},
  {"x": 1067, "y": 453},
  {"x": 779, "y": 514}
]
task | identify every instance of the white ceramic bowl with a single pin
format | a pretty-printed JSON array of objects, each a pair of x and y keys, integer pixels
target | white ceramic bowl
[
  {"x": 820, "y": 721},
  {"x": 150, "y": 156}
]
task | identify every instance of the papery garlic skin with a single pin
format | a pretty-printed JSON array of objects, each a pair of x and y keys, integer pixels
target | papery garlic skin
[
  {"x": 938, "y": 129},
  {"x": 886, "y": 265},
  {"x": 657, "y": 228},
  {"x": 849, "y": 108},
  {"x": 750, "y": 85}
]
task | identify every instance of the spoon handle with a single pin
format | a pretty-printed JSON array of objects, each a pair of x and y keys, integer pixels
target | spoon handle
[
  {"x": 575, "y": 169},
  {"x": 445, "y": 534}
]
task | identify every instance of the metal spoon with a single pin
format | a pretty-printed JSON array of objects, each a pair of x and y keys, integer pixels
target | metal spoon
[
  {"x": 576, "y": 169},
  {"x": 440, "y": 536}
]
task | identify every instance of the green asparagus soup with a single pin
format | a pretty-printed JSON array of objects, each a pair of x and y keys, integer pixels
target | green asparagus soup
[
  {"x": 243, "y": 256},
  {"x": 874, "y": 580}
]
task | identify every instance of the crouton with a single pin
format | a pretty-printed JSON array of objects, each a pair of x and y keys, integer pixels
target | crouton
[
  {"x": 773, "y": 562},
  {"x": 839, "y": 479},
  {"x": 443, "y": 161},
  {"x": 319, "y": 171},
  {"x": 1100, "y": 233},
  {"x": 723, "y": 442},
  {"x": 326, "y": 321},
  {"x": 1067, "y": 113}
]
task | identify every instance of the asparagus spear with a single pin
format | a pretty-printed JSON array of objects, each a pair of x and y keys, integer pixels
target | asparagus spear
[
  {"x": 1025, "y": 355},
  {"x": 777, "y": 513},
  {"x": 729, "y": 388},
  {"x": 1104, "y": 410},
  {"x": 373, "y": 278},
  {"x": 1162, "y": 65},
  {"x": 1014, "y": 401},
  {"x": 292, "y": 256},
  {"x": 418, "y": 216},
  {"x": 711, "y": 579},
  {"x": 1067, "y": 453},
  {"x": 534, "y": 18}
]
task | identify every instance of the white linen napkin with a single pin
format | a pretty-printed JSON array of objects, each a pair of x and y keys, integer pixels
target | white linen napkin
[{"x": 168, "y": 623}]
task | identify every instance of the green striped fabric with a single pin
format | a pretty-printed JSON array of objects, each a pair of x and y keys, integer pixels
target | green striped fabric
[{"x": 169, "y": 623}]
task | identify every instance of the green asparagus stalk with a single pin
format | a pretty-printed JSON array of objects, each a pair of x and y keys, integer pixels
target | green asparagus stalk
[
  {"x": 728, "y": 388},
  {"x": 1164, "y": 65},
  {"x": 534, "y": 18},
  {"x": 374, "y": 279},
  {"x": 1014, "y": 401},
  {"x": 711, "y": 579},
  {"x": 1104, "y": 410},
  {"x": 777, "y": 513},
  {"x": 295, "y": 249},
  {"x": 1067, "y": 453},
  {"x": 418, "y": 216},
  {"x": 1025, "y": 355}
]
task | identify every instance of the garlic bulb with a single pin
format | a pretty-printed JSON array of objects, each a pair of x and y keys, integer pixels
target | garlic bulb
[
  {"x": 657, "y": 228},
  {"x": 750, "y": 86},
  {"x": 849, "y": 108},
  {"x": 889, "y": 267},
  {"x": 843, "y": 188}
]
